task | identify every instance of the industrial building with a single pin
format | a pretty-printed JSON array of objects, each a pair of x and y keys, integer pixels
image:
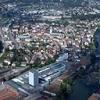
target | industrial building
[
  {"x": 36, "y": 79},
  {"x": 33, "y": 78}
]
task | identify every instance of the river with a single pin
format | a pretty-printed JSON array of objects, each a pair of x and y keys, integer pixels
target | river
[{"x": 80, "y": 91}]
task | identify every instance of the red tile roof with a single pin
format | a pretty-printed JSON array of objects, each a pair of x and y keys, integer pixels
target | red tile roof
[{"x": 8, "y": 93}]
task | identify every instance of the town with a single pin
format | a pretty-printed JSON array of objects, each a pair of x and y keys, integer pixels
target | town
[{"x": 48, "y": 48}]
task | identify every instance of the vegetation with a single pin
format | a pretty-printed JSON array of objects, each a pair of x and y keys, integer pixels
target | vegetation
[
  {"x": 85, "y": 17},
  {"x": 38, "y": 64},
  {"x": 92, "y": 46},
  {"x": 18, "y": 56},
  {"x": 96, "y": 33},
  {"x": 1, "y": 46},
  {"x": 65, "y": 89},
  {"x": 4, "y": 56},
  {"x": 73, "y": 3},
  {"x": 62, "y": 21}
]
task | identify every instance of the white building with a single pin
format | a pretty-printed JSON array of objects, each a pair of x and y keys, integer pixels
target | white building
[{"x": 33, "y": 78}]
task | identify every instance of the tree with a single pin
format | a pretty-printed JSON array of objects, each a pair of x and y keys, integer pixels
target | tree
[{"x": 65, "y": 89}]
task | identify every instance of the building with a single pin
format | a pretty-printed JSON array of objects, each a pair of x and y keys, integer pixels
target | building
[
  {"x": 8, "y": 93},
  {"x": 33, "y": 78}
]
